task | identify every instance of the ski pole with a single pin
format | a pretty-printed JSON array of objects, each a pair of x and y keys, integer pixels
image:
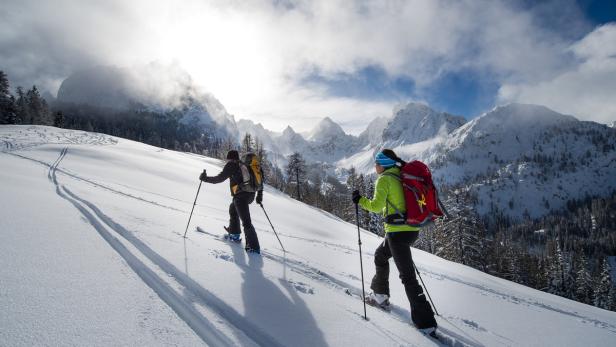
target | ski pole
[
  {"x": 193, "y": 208},
  {"x": 426, "y": 288},
  {"x": 270, "y": 222},
  {"x": 443, "y": 208},
  {"x": 361, "y": 263}
]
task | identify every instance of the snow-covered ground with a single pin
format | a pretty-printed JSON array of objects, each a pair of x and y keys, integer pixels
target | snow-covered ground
[{"x": 92, "y": 253}]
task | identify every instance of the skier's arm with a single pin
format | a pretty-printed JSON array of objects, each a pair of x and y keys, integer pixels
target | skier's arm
[
  {"x": 377, "y": 204},
  {"x": 259, "y": 197},
  {"x": 222, "y": 176}
]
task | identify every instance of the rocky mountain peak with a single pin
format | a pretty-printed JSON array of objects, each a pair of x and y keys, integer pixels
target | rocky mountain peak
[
  {"x": 413, "y": 122},
  {"x": 325, "y": 130}
]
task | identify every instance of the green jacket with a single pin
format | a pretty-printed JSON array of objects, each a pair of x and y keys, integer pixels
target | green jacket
[{"x": 388, "y": 188}]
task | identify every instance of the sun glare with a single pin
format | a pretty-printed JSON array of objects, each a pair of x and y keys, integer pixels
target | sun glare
[{"x": 224, "y": 52}]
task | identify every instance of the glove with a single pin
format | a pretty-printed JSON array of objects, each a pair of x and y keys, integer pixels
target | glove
[
  {"x": 356, "y": 196},
  {"x": 203, "y": 175},
  {"x": 259, "y": 197}
]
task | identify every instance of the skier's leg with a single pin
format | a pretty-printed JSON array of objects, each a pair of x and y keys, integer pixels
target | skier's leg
[
  {"x": 400, "y": 246},
  {"x": 242, "y": 202},
  {"x": 234, "y": 220},
  {"x": 380, "y": 281}
]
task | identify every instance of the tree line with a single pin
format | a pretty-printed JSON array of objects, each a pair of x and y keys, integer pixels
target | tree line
[{"x": 26, "y": 107}]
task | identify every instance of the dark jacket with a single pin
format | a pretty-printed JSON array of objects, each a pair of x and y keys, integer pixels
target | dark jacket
[{"x": 231, "y": 171}]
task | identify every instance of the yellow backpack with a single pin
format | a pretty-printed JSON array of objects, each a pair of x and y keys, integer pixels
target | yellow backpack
[{"x": 252, "y": 175}]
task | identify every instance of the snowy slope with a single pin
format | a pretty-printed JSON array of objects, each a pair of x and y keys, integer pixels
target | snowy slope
[{"x": 92, "y": 254}]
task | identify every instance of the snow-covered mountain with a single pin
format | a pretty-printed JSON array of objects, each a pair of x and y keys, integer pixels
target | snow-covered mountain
[
  {"x": 325, "y": 131},
  {"x": 290, "y": 141},
  {"x": 154, "y": 87},
  {"x": 518, "y": 159},
  {"x": 413, "y": 123},
  {"x": 326, "y": 142},
  {"x": 96, "y": 257},
  {"x": 266, "y": 137},
  {"x": 373, "y": 135}
]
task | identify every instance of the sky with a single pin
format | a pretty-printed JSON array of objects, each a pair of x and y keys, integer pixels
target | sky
[{"x": 285, "y": 62}]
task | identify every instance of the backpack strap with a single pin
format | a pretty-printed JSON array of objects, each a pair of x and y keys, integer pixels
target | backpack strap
[
  {"x": 412, "y": 177},
  {"x": 387, "y": 202},
  {"x": 395, "y": 208}
]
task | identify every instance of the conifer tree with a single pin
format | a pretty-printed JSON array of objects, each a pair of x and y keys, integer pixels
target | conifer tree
[
  {"x": 555, "y": 270},
  {"x": 583, "y": 280},
  {"x": 39, "y": 111},
  {"x": 7, "y": 101},
  {"x": 604, "y": 289},
  {"x": 295, "y": 171},
  {"x": 22, "y": 110},
  {"x": 460, "y": 238},
  {"x": 248, "y": 144}
]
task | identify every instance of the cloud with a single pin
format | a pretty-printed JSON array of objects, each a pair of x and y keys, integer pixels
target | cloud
[
  {"x": 255, "y": 56},
  {"x": 587, "y": 89}
]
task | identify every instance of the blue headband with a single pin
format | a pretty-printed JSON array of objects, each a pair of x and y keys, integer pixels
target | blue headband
[{"x": 384, "y": 160}]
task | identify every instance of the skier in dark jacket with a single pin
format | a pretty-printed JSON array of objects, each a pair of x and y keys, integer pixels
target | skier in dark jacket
[
  {"x": 239, "y": 208},
  {"x": 388, "y": 199}
]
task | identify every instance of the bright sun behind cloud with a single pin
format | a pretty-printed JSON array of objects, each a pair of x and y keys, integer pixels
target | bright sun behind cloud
[{"x": 226, "y": 53}]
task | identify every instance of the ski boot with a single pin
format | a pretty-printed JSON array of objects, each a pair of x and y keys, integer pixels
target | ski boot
[
  {"x": 429, "y": 332},
  {"x": 252, "y": 250},
  {"x": 233, "y": 238},
  {"x": 379, "y": 301}
]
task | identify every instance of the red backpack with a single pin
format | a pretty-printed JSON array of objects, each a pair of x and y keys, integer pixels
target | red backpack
[{"x": 422, "y": 203}]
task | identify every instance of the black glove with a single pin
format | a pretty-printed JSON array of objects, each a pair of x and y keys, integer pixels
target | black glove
[
  {"x": 203, "y": 175},
  {"x": 259, "y": 197},
  {"x": 356, "y": 196}
]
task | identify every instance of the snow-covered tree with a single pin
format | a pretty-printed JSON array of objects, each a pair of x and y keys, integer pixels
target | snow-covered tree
[
  {"x": 604, "y": 288},
  {"x": 460, "y": 237},
  {"x": 555, "y": 273},
  {"x": 248, "y": 145},
  {"x": 583, "y": 280}
]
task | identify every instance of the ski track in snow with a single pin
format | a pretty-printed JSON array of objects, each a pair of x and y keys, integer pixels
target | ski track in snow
[
  {"x": 96, "y": 184},
  {"x": 516, "y": 300},
  {"x": 182, "y": 305},
  {"x": 448, "y": 337},
  {"x": 65, "y": 137}
]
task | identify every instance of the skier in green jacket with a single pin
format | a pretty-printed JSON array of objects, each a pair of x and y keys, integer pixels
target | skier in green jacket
[{"x": 388, "y": 199}]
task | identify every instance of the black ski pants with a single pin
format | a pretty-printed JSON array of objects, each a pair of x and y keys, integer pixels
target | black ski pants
[
  {"x": 240, "y": 210},
  {"x": 398, "y": 246}
]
